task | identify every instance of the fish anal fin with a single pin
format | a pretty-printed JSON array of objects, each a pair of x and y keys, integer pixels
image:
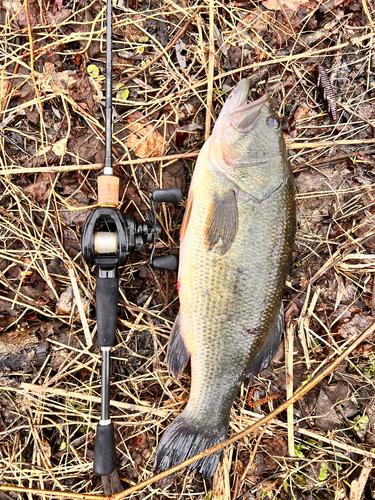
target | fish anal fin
[
  {"x": 177, "y": 354},
  {"x": 185, "y": 222},
  {"x": 268, "y": 351},
  {"x": 222, "y": 222}
]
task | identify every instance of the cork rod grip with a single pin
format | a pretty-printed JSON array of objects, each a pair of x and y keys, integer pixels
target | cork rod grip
[{"x": 108, "y": 190}]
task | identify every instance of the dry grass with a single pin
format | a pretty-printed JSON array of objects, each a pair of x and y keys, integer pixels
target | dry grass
[{"x": 51, "y": 126}]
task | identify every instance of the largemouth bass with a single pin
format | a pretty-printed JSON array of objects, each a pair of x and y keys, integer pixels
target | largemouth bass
[{"x": 236, "y": 243}]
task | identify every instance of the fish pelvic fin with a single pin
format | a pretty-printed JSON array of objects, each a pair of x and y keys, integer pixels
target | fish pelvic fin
[
  {"x": 222, "y": 222},
  {"x": 268, "y": 351},
  {"x": 185, "y": 221},
  {"x": 183, "y": 439},
  {"x": 177, "y": 354}
]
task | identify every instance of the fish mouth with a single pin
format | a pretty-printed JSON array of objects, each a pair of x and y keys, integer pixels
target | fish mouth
[
  {"x": 244, "y": 113},
  {"x": 240, "y": 94}
]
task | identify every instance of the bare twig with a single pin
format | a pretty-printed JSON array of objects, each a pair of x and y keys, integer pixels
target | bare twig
[{"x": 96, "y": 166}]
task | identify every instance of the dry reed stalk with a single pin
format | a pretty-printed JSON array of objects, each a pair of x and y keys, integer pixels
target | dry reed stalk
[
  {"x": 211, "y": 68},
  {"x": 289, "y": 346},
  {"x": 240, "y": 435},
  {"x": 40, "y": 390},
  {"x": 81, "y": 310}
]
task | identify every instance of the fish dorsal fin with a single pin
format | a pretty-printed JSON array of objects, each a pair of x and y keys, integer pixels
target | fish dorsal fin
[
  {"x": 177, "y": 354},
  {"x": 222, "y": 222}
]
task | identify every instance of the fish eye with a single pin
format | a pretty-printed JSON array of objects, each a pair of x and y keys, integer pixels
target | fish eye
[{"x": 273, "y": 122}]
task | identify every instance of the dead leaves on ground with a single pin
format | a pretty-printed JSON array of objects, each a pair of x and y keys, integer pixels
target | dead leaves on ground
[{"x": 144, "y": 140}]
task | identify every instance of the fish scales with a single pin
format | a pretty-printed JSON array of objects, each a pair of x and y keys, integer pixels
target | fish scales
[
  {"x": 223, "y": 297},
  {"x": 236, "y": 244}
]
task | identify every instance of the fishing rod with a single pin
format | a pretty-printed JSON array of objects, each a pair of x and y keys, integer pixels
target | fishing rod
[{"x": 107, "y": 239}]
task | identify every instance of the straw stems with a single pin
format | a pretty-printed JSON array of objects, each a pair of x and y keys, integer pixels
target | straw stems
[
  {"x": 240, "y": 435},
  {"x": 211, "y": 67},
  {"x": 289, "y": 344}
]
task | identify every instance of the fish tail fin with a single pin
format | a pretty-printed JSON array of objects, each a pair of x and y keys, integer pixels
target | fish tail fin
[{"x": 184, "y": 439}]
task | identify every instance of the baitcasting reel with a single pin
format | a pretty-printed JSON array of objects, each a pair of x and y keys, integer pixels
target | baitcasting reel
[
  {"x": 107, "y": 240},
  {"x": 108, "y": 237}
]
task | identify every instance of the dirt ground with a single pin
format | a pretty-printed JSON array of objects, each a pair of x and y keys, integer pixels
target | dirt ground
[{"x": 52, "y": 88}]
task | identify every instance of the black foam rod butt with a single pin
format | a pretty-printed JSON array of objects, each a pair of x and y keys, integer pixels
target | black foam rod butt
[
  {"x": 169, "y": 262},
  {"x": 105, "y": 451},
  {"x": 172, "y": 195},
  {"x": 106, "y": 310}
]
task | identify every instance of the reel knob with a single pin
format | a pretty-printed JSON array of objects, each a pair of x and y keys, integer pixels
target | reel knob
[
  {"x": 172, "y": 195},
  {"x": 169, "y": 262}
]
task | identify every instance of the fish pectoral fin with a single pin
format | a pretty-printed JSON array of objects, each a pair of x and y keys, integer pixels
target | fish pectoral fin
[
  {"x": 177, "y": 354},
  {"x": 222, "y": 222},
  {"x": 268, "y": 351}
]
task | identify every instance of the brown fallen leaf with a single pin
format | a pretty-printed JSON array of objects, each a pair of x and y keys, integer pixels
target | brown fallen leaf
[
  {"x": 41, "y": 188},
  {"x": 5, "y": 321},
  {"x": 5, "y": 86},
  {"x": 72, "y": 217},
  {"x": 144, "y": 140},
  {"x": 138, "y": 442},
  {"x": 61, "y": 82},
  {"x": 257, "y": 21},
  {"x": 358, "y": 324},
  {"x": 294, "y": 5},
  {"x": 275, "y": 446},
  {"x": 58, "y": 18},
  {"x": 67, "y": 301},
  {"x": 49, "y": 158},
  {"x": 370, "y": 431},
  {"x": 80, "y": 86},
  {"x": 57, "y": 5},
  {"x": 327, "y": 416},
  {"x": 17, "y": 11},
  {"x": 303, "y": 112},
  {"x": 83, "y": 91},
  {"x": 253, "y": 25},
  {"x": 64, "y": 305},
  {"x": 133, "y": 29}
]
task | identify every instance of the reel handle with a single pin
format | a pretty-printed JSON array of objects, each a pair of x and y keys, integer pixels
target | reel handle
[
  {"x": 169, "y": 262},
  {"x": 172, "y": 195}
]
